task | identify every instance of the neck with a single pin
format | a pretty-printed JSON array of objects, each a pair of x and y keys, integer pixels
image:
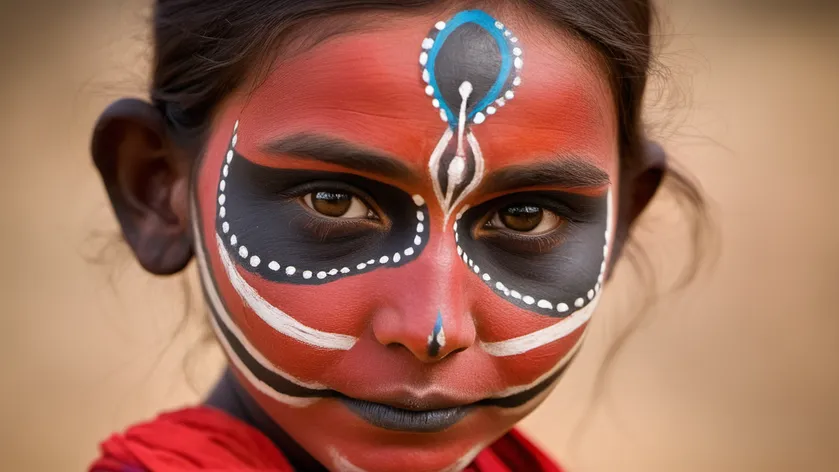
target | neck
[{"x": 229, "y": 396}]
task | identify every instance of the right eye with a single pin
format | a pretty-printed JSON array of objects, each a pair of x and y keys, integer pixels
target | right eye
[
  {"x": 525, "y": 219},
  {"x": 338, "y": 204}
]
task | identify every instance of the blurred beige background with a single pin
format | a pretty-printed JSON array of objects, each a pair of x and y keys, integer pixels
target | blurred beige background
[{"x": 738, "y": 373}]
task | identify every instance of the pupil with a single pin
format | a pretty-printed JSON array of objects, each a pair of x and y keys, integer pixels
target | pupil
[
  {"x": 332, "y": 203},
  {"x": 522, "y": 217}
]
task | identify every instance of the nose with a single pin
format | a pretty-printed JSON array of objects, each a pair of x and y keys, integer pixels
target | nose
[{"x": 428, "y": 313}]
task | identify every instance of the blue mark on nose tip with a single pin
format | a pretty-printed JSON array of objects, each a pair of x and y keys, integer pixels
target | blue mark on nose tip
[{"x": 434, "y": 339}]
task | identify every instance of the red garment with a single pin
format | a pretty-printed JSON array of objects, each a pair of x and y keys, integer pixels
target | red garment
[{"x": 208, "y": 439}]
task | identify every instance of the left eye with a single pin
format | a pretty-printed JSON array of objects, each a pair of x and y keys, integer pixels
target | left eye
[
  {"x": 338, "y": 204},
  {"x": 524, "y": 218}
]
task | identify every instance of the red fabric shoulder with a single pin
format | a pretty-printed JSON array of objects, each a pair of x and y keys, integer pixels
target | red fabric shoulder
[
  {"x": 210, "y": 440},
  {"x": 192, "y": 439},
  {"x": 513, "y": 452}
]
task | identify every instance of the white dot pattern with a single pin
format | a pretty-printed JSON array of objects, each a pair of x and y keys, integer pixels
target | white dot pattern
[
  {"x": 255, "y": 260},
  {"x": 562, "y": 307},
  {"x": 480, "y": 115}
]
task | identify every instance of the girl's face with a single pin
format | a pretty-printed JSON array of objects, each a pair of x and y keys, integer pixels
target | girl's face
[{"x": 402, "y": 234}]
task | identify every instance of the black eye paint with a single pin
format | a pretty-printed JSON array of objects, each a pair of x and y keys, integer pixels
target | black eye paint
[
  {"x": 553, "y": 274},
  {"x": 266, "y": 227}
]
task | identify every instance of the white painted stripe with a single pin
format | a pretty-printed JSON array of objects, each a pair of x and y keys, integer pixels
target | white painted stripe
[
  {"x": 476, "y": 179},
  {"x": 467, "y": 458},
  {"x": 564, "y": 327},
  {"x": 298, "y": 402},
  {"x": 434, "y": 163},
  {"x": 609, "y": 226},
  {"x": 218, "y": 307},
  {"x": 562, "y": 363},
  {"x": 341, "y": 463},
  {"x": 528, "y": 342},
  {"x": 278, "y": 319}
]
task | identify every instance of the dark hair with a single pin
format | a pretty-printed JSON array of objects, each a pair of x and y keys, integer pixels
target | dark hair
[{"x": 205, "y": 49}]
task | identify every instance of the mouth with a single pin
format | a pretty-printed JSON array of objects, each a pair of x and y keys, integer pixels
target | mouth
[{"x": 406, "y": 420}]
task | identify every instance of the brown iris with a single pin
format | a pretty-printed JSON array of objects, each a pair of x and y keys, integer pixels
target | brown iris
[
  {"x": 523, "y": 218},
  {"x": 334, "y": 204}
]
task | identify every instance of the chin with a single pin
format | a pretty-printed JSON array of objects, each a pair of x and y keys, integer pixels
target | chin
[
  {"x": 344, "y": 442},
  {"x": 404, "y": 458}
]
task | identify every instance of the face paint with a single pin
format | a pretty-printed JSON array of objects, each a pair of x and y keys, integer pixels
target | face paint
[
  {"x": 254, "y": 226},
  {"x": 437, "y": 338},
  {"x": 387, "y": 293},
  {"x": 466, "y": 87}
]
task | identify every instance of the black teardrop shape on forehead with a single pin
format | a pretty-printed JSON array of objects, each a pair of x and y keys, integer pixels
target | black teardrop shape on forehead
[
  {"x": 469, "y": 54},
  {"x": 472, "y": 48}
]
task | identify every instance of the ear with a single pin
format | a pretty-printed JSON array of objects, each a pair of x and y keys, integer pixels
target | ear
[
  {"x": 639, "y": 182},
  {"x": 147, "y": 180}
]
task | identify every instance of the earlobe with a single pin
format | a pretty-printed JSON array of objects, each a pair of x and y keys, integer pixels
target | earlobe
[
  {"x": 640, "y": 182},
  {"x": 147, "y": 180}
]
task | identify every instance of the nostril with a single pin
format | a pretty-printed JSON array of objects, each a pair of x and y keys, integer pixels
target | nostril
[{"x": 458, "y": 350}]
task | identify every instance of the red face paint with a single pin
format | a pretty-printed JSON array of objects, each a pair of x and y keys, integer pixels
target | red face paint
[{"x": 333, "y": 327}]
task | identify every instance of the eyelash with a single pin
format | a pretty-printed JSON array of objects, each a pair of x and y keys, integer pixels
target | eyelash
[
  {"x": 301, "y": 191},
  {"x": 324, "y": 227},
  {"x": 536, "y": 244},
  {"x": 515, "y": 241}
]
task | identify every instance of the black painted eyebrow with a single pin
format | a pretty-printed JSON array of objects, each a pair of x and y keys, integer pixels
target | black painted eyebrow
[
  {"x": 343, "y": 153},
  {"x": 567, "y": 172}
]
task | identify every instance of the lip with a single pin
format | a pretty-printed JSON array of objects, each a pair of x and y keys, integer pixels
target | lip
[{"x": 405, "y": 419}]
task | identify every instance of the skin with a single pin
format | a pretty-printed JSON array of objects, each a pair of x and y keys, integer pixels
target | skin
[{"x": 376, "y": 101}]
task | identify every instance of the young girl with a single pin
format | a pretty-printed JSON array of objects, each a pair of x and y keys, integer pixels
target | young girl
[{"x": 403, "y": 214}]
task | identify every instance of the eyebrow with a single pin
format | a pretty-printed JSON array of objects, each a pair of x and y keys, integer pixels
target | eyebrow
[
  {"x": 563, "y": 171},
  {"x": 343, "y": 153}
]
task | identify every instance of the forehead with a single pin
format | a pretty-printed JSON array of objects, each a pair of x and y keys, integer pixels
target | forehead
[{"x": 366, "y": 87}]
